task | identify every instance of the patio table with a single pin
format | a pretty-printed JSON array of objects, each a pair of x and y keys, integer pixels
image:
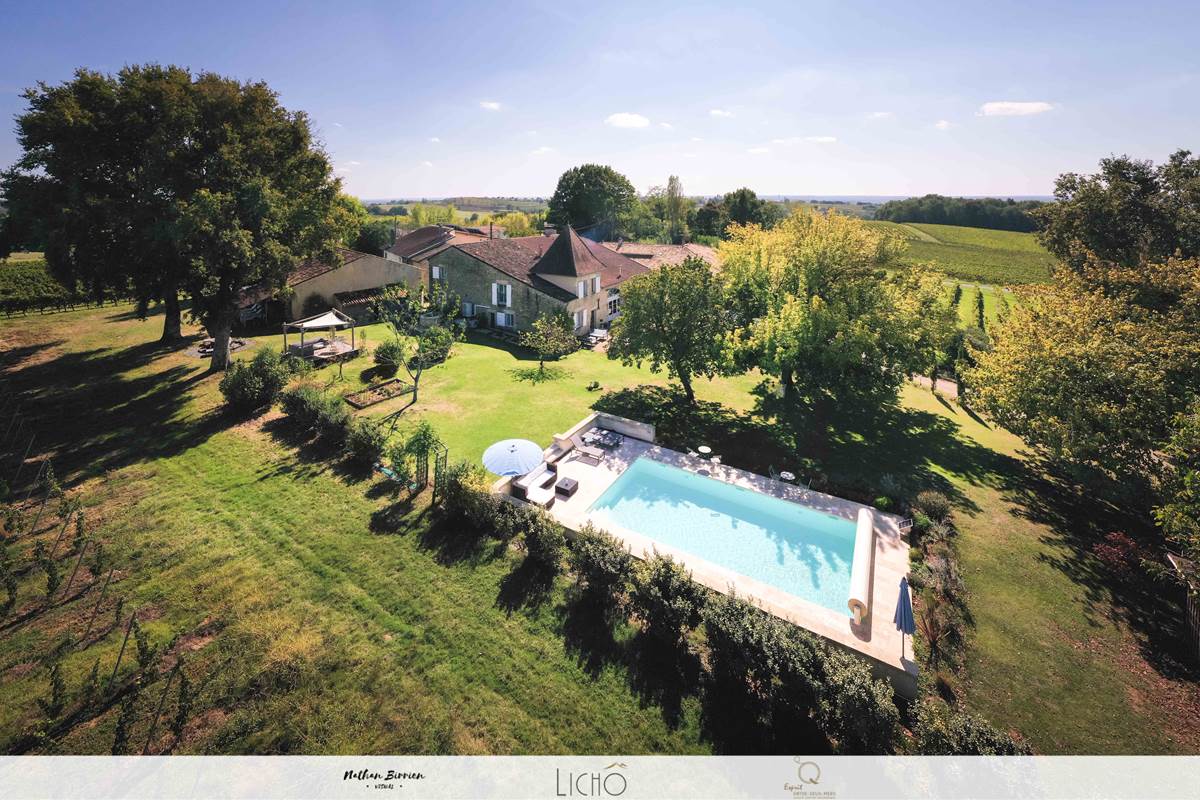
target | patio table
[{"x": 703, "y": 449}]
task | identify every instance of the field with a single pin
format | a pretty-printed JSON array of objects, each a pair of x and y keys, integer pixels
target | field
[
  {"x": 321, "y": 611},
  {"x": 1001, "y": 258}
]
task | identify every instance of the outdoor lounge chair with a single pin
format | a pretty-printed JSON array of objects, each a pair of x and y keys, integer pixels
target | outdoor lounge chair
[
  {"x": 586, "y": 449},
  {"x": 541, "y": 496},
  {"x": 537, "y": 479}
]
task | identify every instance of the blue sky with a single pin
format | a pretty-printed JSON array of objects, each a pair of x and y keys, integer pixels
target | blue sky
[{"x": 429, "y": 100}]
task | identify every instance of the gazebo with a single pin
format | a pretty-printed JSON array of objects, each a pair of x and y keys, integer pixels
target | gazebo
[{"x": 321, "y": 349}]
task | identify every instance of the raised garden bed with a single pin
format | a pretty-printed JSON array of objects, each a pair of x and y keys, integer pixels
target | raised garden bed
[{"x": 378, "y": 392}]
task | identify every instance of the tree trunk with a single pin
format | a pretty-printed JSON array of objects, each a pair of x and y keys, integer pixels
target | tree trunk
[
  {"x": 221, "y": 330},
  {"x": 686, "y": 381},
  {"x": 172, "y": 317},
  {"x": 787, "y": 381}
]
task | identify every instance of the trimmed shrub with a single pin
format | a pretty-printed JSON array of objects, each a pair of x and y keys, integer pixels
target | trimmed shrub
[
  {"x": 388, "y": 356},
  {"x": 666, "y": 599},
  {"x": 254, "y": 385},
  {"x": 544, "y": 539},
  {"x": 883, "y": 503},
  {"x": 468, "y": 495},
  {"x": 366, "y": 441},
  {"x": 942, "y": 731},
  {"x": 301, "y": 404},
  {"x": 435, "y": 345},
  {"x": 604, "y": 568},
  {"x": 934, "y": 505},
  {"x": 856, "y": 709},
  {"x": 333, "y": 418},
  {"x": 507, "y": 520}
]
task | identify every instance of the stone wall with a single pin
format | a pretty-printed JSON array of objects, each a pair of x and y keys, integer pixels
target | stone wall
[{"x": 367, "y": 272}]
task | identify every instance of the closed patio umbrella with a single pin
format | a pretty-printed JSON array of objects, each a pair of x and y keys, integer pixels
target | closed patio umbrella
[
  {"x": 512, "y": 457},
  {"x": 904, "y": 614}
]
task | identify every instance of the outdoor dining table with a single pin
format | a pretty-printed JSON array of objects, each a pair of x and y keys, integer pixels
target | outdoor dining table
[
  {"x": 703, "y": 449},
  {"x": 786, "y": 476}
]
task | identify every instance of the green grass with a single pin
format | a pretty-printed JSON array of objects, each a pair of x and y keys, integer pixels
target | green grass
[
  {"x": 975, "y": 254},
  {"x": 321, "y": 613}
]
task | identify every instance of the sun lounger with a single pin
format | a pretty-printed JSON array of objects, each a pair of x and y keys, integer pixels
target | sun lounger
[
  {"x": 536, "y": 479},
  {"x": 586, "y": 449},
  {"x": 541, "y": 496}
]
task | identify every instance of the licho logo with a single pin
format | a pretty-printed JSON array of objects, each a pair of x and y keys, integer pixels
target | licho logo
[{"x": 608, "y": 782}]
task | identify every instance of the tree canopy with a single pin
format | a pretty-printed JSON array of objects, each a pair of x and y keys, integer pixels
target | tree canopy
[
  {"x": 816, "y": 307},
  {"x": 1129, "y": 212},
  {"x": 551, "y": 336},
  {"x": 156, "y": 181},
  {"x": 987, "y": 212},
  {"x": 589, "y": 194},
  {"x": 673, "y": 317}
]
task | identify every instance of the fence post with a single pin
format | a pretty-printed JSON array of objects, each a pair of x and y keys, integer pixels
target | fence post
[
  {"x": 78, "y": 561},
  {"x": 96, "y": 608},
  {"x": 21, "y": 464},
  {"x": 120, "y": 655},
  {"x": 158, "y": 711},
  {"x": 61, "y": 531}
]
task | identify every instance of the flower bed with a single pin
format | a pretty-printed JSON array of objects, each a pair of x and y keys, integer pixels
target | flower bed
[{"x": 378, "y": 392}]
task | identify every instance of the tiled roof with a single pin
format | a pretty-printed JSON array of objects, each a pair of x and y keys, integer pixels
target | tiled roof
[
  {"x": 313, "y": 267},
  {"x": 657, "y": 255},
  {"x": 360, "y": 297},
  {"x": 431, "y": 240},
  {"x": 527, "y": 258}
]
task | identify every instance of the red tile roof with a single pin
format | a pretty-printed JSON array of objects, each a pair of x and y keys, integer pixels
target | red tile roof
[
  {"x": 313, "y": 267},
  {"x": 430, "y": 240},
  {"x": 528, "y": 258},
  {"x": 657, "y": 255}
]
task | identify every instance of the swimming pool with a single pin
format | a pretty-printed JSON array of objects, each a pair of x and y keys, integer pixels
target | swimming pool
[{"x": 799, "y": 550}]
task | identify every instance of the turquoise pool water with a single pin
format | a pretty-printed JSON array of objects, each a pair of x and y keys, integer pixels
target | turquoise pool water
[{"x": 802, "y": 551}]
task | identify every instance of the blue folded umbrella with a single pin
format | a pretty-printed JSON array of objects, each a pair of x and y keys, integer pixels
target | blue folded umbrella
[{"x": 904, "y": 614}]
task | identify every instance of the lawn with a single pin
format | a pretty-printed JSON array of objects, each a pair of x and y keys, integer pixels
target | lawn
[
  {"x": 319, "y": 612},
  {"x": 975, "y": 254}
]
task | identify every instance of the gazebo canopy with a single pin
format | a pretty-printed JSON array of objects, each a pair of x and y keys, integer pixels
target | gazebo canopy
[{"x": 330, "y": 319}]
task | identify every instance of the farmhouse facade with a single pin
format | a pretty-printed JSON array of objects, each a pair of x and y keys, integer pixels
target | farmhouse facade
[{"x": 509, "y": 283}]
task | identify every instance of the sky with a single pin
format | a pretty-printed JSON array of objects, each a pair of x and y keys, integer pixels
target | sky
[{"x": 416, "y": 100}]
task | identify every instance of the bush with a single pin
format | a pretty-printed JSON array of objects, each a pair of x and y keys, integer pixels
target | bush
[
  {"x": 544, "y": 540},
  {"x": 604, "y": 568},
  {"x": 333, "y": 418},
  {"x": 666, "y": 599},
  {"x": 507, "y": 520},
  {"x": 388, "y": 356},
  {"x": 942, "y": 731},
  {"x": 934, "y": 505},
  {"x": 250, "y": 387},
  {"x": 883, "y": 503},
  {"x": 856, "y": 709},
  {"x": 435, "y": 345},
  {"x": 468, "y": 495},
  {"x": 366, "y": 441},
  {"x": 301, "y": 404}
]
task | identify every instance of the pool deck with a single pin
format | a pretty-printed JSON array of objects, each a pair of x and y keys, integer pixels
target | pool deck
[{"x": 876, "y": 637}]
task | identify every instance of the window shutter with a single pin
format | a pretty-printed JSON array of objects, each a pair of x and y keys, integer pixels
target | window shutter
[{"x": 494, "y": 295}]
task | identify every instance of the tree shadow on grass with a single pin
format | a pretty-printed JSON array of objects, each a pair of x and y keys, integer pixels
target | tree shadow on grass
[
  {"x": 739, "y": 720},
  {"x": 105, "y": 408},
  {"x": 453, "y": 541},
  {"x": 663, "y": 675},
  {"x": 587, "y": 632},
  {"x": 526, "y": 588},
  {"x": 537, "y": 375},
  {"x": 1079, "y": 508}
]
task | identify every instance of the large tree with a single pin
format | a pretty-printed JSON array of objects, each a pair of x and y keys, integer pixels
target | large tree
[
  {"x": 157, "y": 182},
  {"x": 816, "y": 308},
  {"x": 1094, "y": 367},
  {"x": 551, "y": 336},
  {"x": 589, "y": 194},
  {"x": 673, "y": 317},
  {"x": 1130, "y": 211}
]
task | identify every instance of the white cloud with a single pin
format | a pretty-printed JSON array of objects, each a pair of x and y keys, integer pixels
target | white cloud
[
  {"x": 697, "y": 139},
  {"x": 489, "y": 105},
  {"x": 531, "y": 133},
  {"x": 426, "y": 163},
  {"x": 665, "y": 125},
  {"x": 942, "y": 124},
  {"x": 342, "y": 170},
  {"x": 338, "y": 125},
  {"x": 354, "y": 163},
  {"x": 689, "y": 155},
  {"x": 434, "y": 139},
  {"x": 758, "y": 151},
  {"x": 541, "y": 151},
  {"x": 720, "y": 112},
  {"x": 790, "y": 140},
  {"x": 1009, "y": 108},
  {"x": 625, "y": 119},
  {"x": 880, "y": 115}
]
